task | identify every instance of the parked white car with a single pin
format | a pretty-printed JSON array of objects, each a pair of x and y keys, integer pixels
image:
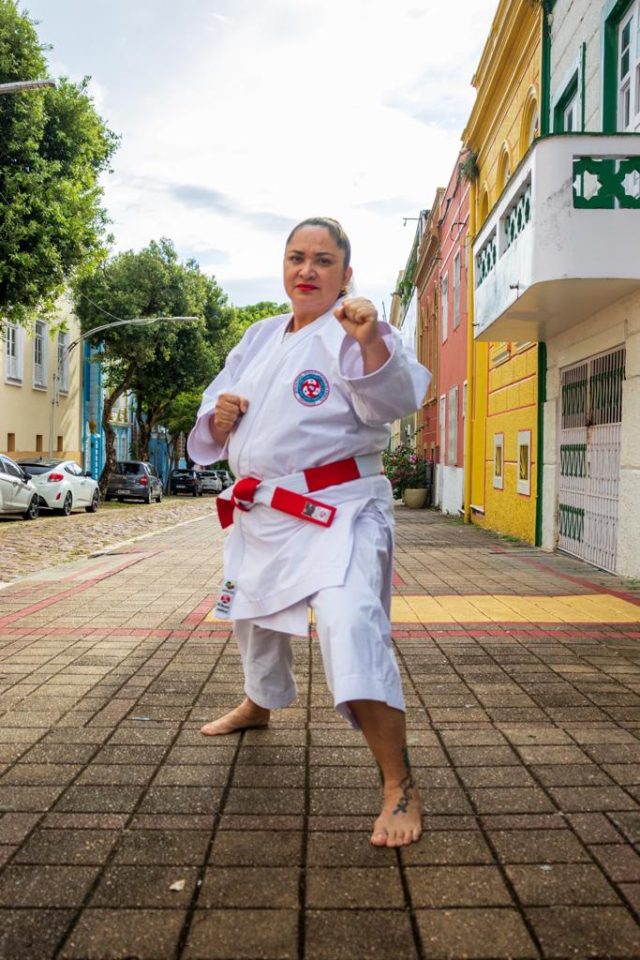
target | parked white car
[
  {"x": 62, "y": 486},
  {"x": 211, "y": 482},
  {"x": 17, "y": 491}
]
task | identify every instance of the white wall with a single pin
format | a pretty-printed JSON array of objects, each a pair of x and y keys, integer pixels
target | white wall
[{"x": 575, "y": 22}]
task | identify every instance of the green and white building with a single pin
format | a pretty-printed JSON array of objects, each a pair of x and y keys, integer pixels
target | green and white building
[{"x": 592, "y": 410}]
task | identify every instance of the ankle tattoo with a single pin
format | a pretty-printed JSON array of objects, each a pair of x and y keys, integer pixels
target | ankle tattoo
[{"x": 406, "y": 785}]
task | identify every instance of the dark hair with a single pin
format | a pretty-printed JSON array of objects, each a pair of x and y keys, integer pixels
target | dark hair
[{"x": 333, "y": 227}]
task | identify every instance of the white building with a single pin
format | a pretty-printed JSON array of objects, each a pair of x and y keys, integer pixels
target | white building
[{"x": 565, "y": 242}]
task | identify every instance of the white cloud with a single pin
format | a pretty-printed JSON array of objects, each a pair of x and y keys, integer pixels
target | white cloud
[{"x": 239, "y": 117}]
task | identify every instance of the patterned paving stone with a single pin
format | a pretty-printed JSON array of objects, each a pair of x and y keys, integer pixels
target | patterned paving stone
[{"x": 525, "y": 741}]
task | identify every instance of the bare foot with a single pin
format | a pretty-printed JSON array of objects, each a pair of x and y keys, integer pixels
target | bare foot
[
  {"x": 400, "y": 820},
  {"x": 244, "y": 717}
]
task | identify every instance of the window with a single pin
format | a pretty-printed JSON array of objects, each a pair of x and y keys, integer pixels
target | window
[
  {"x": 12, "y": 468},
  {"x": 504, "y": 170},
  {"x": 59, "y": 446},
  {"x": 498, "y": 461},
  {"x": 38, "y": 443},
  {"x": 628, "y": 71},
  {"x": 62, "y": 361},
  {"x": 13, "y": 353},
  {"x": 524, "y": 462},
  {"x": 11, "y": 442},
  {"x": 444, "y": 309},
  {"x": 530, "y": 123},
  {"x": 40, "y": 355},
  {"x": 456, "y": 290},
  {"x": 452, "y": 425},
  {"x": 566, "y": 112}
]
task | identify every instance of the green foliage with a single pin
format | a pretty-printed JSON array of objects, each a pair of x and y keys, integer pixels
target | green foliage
[
  {"x": 181, "y": 415},
  {"x": 468, "y": 166},
  {"x": 159, "y": 362},
  {"x": 53, "y": 148},
  {"x": 404, "y": 468},
  {"x": 242, "y": 317}
]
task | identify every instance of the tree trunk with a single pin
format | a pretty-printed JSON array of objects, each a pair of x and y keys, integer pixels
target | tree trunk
[{"x": 147, "y": 426}]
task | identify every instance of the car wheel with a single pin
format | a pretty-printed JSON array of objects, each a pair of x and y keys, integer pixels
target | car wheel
[
  {"x": 95, "y": 500},
  {"x": 159, "y": 497},
  {"x": 31, "y": 513},
  {"x": 120, "y": 499},
  {"x": 147, "y": 498},
  {"x": 65, "y": 509},
  {"x": 108, "y": 499}
]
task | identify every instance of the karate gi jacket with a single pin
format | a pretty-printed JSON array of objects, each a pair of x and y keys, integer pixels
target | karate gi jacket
[{"x": 310, "y": 404}]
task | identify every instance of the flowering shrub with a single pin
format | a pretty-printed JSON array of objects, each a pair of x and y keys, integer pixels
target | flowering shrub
[{"x": 404, "y": 468}]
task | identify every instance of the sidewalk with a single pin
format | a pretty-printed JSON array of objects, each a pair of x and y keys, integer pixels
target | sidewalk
[{"x": 125, "y": 834}]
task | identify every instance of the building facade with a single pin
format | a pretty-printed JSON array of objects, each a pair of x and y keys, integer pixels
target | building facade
[
  {"x": 428, "y": 299},
  {"x": 40, "y": 384},
  {"x": 452, "y": 336},
  {"x": 502, "y": 432},
  {"x": 592, "y": 407}
]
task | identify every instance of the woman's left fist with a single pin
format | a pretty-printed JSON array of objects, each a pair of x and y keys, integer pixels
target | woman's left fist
[{"x": 359, "y": 319}]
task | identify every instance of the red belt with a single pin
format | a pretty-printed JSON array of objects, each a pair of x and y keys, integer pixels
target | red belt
[{"x": 280, "y": 496}]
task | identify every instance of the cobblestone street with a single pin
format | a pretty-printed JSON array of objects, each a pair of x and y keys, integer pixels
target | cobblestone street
[
  {"x": 24, "y": 548},
  {"x": 125, "y": 834}
]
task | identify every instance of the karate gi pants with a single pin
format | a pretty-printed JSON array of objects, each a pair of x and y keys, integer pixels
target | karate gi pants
[{"x": 354, "y": 630}]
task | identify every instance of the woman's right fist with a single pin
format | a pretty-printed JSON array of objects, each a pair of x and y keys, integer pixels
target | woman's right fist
[{"x": 226, "y": 413}]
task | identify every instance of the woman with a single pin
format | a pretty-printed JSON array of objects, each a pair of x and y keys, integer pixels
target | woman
[{"x": 301, "y": 410}]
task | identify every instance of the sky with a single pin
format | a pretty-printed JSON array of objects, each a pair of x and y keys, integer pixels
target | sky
[{"x": 239, "y": 118}]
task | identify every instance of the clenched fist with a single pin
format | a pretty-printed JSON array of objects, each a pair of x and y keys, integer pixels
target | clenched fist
[
  {"x": 227, "y": 411},
  {"x": 359, "y": 319}
]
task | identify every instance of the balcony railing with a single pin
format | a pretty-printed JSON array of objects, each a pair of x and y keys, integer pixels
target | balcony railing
[{"x": 562, "y": 242}]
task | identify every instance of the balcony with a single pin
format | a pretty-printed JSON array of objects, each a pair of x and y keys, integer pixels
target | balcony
[{"x": 563, "y": 241}]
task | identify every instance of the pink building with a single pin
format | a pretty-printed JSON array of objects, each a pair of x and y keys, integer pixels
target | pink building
[{"x": 452, "y": 348}]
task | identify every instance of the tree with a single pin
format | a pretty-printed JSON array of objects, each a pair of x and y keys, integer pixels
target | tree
[
  {"x": 161, "y": 361},
  {"x": 53, "y": 148},
  {"x": 243, "y": 317}
]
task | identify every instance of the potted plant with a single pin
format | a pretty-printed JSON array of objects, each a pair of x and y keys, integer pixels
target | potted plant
[{"x": 407, "y": 473}]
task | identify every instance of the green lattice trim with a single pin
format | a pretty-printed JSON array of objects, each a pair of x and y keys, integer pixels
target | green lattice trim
[
  {"x": 517, "y": 218},
  {"x": 574, "y": 399},
  {"x": 606, "y": 395},
  {"x": 486, "y": 260},
  {"x": 611, "y": 174},
  {"x": 571, "y": 522},
  {"x": 573, "y": 460}
]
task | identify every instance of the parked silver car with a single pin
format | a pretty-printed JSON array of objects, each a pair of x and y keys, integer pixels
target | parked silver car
[
  {"x": 62, "y": 485},
  {"x": 211, "y": 482},
  {"x": 226, "y": 478},
  {"x": 17, "y": 491},
  {"x": 134, "y": 480}
]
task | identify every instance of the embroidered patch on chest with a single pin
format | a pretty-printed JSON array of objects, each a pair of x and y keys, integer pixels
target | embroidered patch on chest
[{"x": 311, "y": 388}]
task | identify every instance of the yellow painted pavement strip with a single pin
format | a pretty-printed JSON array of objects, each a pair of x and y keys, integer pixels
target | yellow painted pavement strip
[
  {"x": 488, "y": 608},
  {"x": 507, "y": 608}
]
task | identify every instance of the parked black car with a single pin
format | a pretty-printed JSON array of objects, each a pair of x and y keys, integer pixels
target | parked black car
[
  {"x": 134, "y": 480},
  {"x": 186, "y": 481}
]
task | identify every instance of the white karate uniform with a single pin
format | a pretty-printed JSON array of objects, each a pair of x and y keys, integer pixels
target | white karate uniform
[{"x": 310, "y": 404}]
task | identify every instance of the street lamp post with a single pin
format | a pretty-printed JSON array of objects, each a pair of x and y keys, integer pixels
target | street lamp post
[
  {"x": 20, "y": 86},
  {"x": 62, "y": 357}
]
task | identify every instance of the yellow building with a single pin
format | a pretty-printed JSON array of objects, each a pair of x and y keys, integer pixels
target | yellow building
[
  {"x": 502, "y": 431},
  {"x": 40, "y": 392}
]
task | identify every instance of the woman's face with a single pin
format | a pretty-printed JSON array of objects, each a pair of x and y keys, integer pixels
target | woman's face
[{"x": 314, "y": 272}]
